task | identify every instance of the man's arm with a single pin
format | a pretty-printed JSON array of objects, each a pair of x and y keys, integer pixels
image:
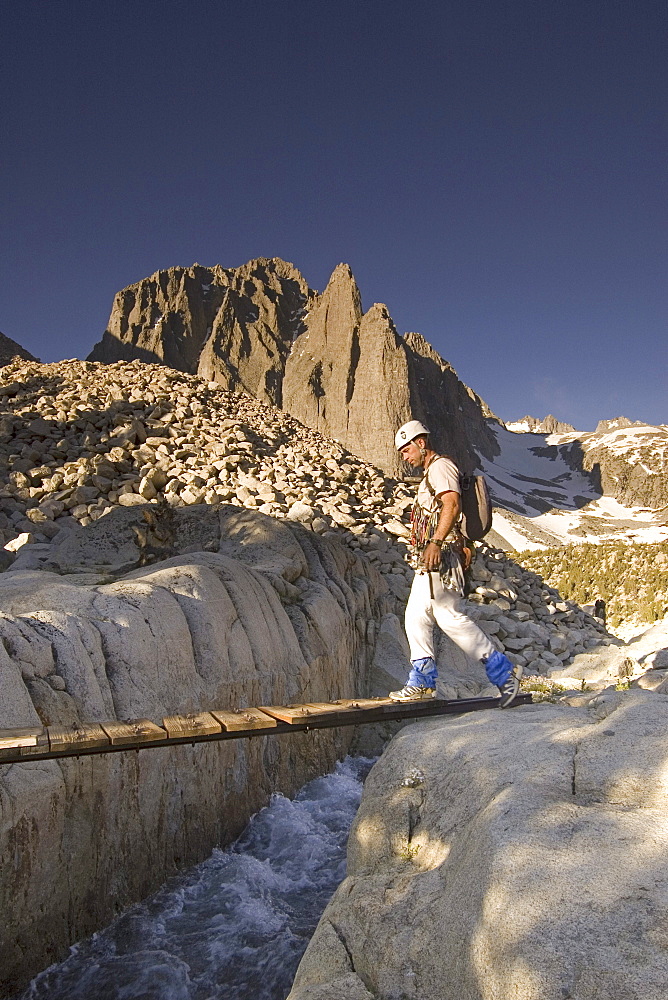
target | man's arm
[{"x": 450, "y": 508}]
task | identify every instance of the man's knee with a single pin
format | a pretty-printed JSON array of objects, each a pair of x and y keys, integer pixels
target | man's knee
[{"x": 450, "y": 612}]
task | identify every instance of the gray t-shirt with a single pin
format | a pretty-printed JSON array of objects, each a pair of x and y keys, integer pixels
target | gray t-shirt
[{"x": 443, "y": 478}]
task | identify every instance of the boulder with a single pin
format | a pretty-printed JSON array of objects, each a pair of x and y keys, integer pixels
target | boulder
[{"x": 507, "y": 854}]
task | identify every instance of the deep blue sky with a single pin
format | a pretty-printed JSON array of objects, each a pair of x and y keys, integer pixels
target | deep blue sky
[{"x": 493, "y": 170}]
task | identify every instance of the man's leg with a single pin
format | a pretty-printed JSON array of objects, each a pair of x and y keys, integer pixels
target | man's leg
[
  {"x": 448, "y": 611},
  {"x": 419, "y": 624}
]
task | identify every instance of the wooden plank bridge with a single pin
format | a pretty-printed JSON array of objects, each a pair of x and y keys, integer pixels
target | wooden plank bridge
[{"x": 33, "y": 743}]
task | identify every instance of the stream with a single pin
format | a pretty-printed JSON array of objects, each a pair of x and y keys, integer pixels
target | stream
[{"x": 233, "y": 927}]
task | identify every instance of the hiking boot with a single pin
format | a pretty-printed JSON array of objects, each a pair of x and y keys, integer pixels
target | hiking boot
[
  {"x": 410, "y": 693},
  {"x": 510, "y": 688}
]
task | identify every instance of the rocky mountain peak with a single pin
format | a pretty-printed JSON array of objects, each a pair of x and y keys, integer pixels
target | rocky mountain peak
[
  {"x": 417, "y": 343},
  {"x": 532, "y": 425},
  {"x": 10, "y": 349},
  {"x": 341, "y": 371},
  {"x": 336, "y": 312},
  {"x": 618, "y": 423},
  {"x": 550, "y": 425},
  {"x": 342, "y": 272},
  {"x": 233, "y": 326}
]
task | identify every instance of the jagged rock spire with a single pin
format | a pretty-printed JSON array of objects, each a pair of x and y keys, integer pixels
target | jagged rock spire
[{"x": 341, "y": 371}]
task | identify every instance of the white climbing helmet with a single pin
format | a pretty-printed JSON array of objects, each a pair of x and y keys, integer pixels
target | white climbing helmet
[{"x": 409, "y": 431}]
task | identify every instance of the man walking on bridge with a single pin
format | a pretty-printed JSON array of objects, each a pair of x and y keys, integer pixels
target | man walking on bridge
[{"x": 436, "y": 596}]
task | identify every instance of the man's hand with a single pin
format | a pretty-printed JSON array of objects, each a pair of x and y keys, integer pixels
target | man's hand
[{"x": 431, "y": 558}]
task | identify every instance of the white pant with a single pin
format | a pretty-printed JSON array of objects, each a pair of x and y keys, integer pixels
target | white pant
[{"x": 444, "y": 609}]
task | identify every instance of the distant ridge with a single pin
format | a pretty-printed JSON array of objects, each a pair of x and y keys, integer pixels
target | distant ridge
[{"x": 549, "y": 425}]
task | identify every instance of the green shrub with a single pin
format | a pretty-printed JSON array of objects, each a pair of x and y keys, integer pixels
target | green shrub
[{"x": 632, "y": 579}]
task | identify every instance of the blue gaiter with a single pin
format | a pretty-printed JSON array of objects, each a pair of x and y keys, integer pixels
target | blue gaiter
[
  {"x": 498, "y": 668},
  {"x": 423, "y": 673}
]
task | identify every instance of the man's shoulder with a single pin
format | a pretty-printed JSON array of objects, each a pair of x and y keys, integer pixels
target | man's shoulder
[
  {"x": 444, "y": 462},
  {"x": 444, "y": 475}
]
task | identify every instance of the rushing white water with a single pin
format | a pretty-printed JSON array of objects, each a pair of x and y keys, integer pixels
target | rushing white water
[{"x": 233, "y": 927}]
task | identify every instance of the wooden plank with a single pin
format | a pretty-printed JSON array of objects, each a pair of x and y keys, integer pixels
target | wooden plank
[
  {"x": 22, "y": 736},
  {"x": 288, "y": 713},
  {"x": 199, "y": 724},
  {"x": 23, "y": 741},
  {"x": 323, "y": 709},
  {"x": 244, "y": 718},
  {"x": 40, "y": 747},
  {"x": 80, "y": 735},
  {"x": 327, "y": 707},
  {"x": 365, "y": 703},
  {"x": 133, "y": 731},
  {"x": 19, "y": 744},
  {"x": 312, "y": 711}
]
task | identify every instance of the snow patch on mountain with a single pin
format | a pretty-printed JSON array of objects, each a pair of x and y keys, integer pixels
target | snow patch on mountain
[
  {"x": 529, "y": 476},
  {"x": 634, "y": 443},
  {"x": 544, "y": 494}
]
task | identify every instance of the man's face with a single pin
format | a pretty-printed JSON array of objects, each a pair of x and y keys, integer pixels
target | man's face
[{"x": 411, "y": 452}]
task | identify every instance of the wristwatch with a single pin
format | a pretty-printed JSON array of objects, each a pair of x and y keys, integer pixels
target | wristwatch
[{"x": 437, "y": 541}]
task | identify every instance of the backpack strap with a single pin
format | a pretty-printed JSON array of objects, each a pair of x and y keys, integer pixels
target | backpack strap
[
  {"x": 432, "y": 491},
  {"x": 425, "y": 478}
]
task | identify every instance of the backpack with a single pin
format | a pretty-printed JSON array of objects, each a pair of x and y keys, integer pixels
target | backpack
[{"x": 476, "y": 516}]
